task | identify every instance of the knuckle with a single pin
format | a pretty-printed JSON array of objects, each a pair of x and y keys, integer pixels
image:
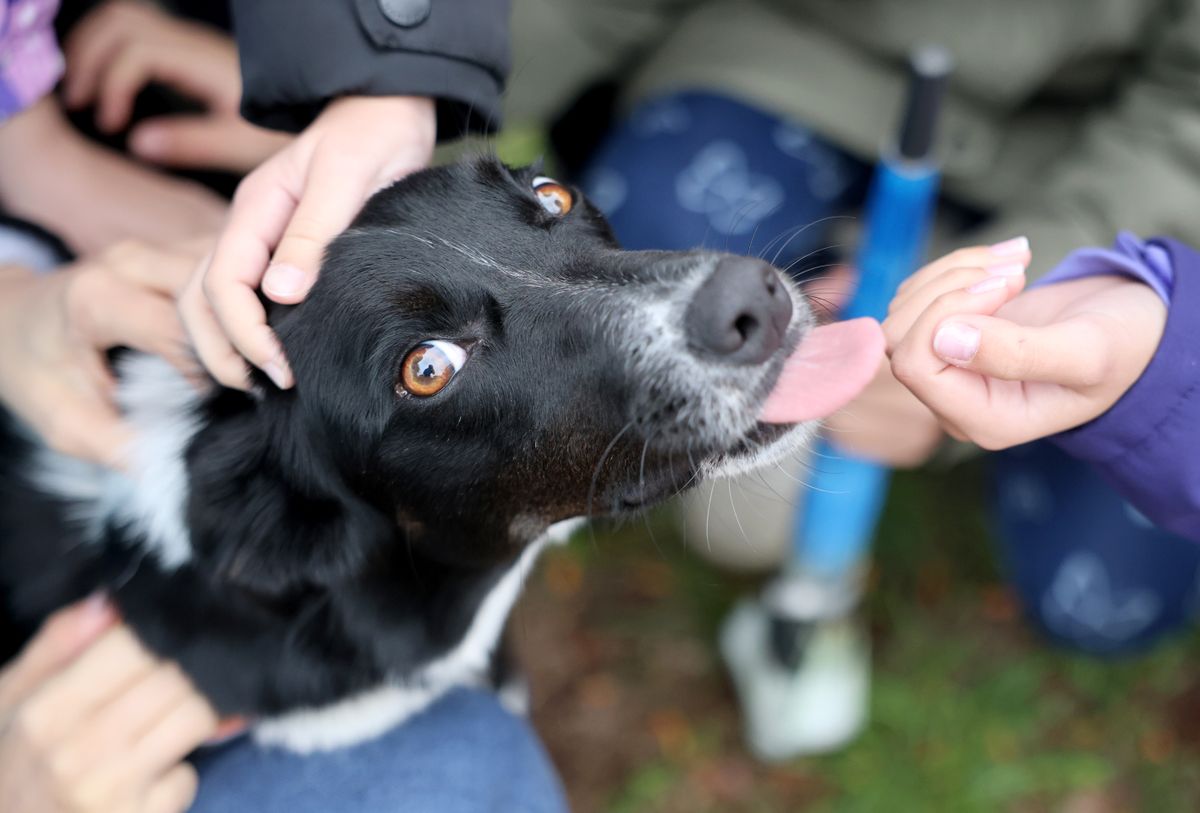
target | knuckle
[
  {"x": 967, "y": 256},
  {"x": 990, "y": 441},
  {"x": 30, "y": 724},
  {"x": 124, "y": 253},
  {"x": 903, "y": 366},
  {"x": 250, "y": 189}
]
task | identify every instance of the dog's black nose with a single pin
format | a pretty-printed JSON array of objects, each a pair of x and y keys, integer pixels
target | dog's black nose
[{"x": 741, "y": 313}]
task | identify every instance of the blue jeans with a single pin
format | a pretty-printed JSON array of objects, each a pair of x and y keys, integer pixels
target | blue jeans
[{"x": 465, "y": 754}]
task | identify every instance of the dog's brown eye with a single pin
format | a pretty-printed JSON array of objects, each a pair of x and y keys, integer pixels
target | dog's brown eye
[
  {"x": 554, "y": 197},
  {"x": 430, "y": 365}
]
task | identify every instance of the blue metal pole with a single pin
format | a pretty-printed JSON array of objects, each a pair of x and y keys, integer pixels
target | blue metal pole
[{"x": 837, "y": 521}]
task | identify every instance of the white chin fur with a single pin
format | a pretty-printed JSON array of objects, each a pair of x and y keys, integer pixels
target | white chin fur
[{"x": 789, "y": 445}]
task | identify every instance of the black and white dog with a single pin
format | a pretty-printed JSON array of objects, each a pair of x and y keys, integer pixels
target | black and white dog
[{"x": 478, "y": 364}]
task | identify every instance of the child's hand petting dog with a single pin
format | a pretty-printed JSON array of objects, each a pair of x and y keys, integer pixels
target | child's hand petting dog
[
  {"x": 1001, "y": 366},
  {"x": 90, "y": 721},
  {"x": 284, "y": 215},
  {"x": 56, "y": 327},
  {"x": 121, "y": 46}
]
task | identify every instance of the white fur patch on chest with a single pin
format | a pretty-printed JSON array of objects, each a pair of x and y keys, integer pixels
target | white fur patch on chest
[
  {"x": 151, "y": 495},
  {"x": 371, "y": 713}
]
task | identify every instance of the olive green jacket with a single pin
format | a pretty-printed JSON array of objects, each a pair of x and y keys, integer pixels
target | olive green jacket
[{"x": 1067, "y": 119}]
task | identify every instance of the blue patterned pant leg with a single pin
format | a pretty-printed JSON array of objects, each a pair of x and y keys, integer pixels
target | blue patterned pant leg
[
  {"x": 1091, "y": 571},
  {"x": 699, "y": 170}
]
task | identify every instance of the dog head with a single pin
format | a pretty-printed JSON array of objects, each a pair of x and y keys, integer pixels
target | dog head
[{"x": 480, "y": 359}]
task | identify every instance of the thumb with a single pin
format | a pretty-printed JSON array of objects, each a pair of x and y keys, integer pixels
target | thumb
[
  {"x": 62, "y": 637},
  {"x": 204, "y": 141},
  {"x": 1070, "y": 353},
  {"x": 332, "y": 197}
]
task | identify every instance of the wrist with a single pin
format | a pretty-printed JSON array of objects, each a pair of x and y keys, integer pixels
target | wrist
[{"x": 416, "y": 114}]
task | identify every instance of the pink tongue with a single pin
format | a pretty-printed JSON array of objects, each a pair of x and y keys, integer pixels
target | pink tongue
[{"x": 832, "y": 365}]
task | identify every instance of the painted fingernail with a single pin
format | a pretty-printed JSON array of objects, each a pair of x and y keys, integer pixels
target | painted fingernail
[
  {"x": 1007, "y": 270},
  {"x": 989, "y": 284},
  {"x": 1008, "y": 248},
  {"x": 956, "y": 342},
  {"x": 283, "y": 280}
]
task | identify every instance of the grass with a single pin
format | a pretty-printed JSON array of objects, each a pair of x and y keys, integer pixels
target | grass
[{"x": 970, "y": 709}]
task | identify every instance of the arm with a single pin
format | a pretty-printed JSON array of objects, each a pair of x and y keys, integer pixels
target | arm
[
  {"x": 299, "y": 54},
  {"x": 1148, "y": 443},
  {"x": 1093, "y": 359}
]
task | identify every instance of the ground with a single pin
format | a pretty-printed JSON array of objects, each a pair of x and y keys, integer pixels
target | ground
[{"x": 971, "y": 710}]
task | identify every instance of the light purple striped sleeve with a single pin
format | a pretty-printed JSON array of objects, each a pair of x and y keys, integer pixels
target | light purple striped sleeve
[{"x": 30, "y": 60}]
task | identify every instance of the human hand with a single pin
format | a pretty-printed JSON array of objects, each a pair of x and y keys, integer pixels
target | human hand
[
  {"x": 55, "y": 329},
  {"x": 90, "y": 721},
  {"x": 123, "y": 45},
  {"x": 1049, "y": 359},
  {"x": 89, "y": 196},
  {"x": 284, "y": 213},
  {"x": 886, "y": 423}
]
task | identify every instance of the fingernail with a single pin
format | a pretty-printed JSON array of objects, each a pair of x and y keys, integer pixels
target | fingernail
[
  {"x": 148, "y": 142},
  {"x": 1007, "y": 270},
  {"x": 283, "y": 280},
  {"x": 279, "y": 373},
  {"x": 96, "y": 613},
  {"x": 989, "y": 284},
  {"x": 1007, "y": 248},
  {"x": 227, "y": 729},
  {"x": 956, "y": 342}
]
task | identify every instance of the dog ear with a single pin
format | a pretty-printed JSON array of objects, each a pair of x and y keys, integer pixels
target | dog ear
[{"x": 266, "y": 511}]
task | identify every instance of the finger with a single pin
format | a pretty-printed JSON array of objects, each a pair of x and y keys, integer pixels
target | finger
[
  {"x": 164, "y": 271},
  {"x": 106, "y": 669},
  {"x": 260, "y": 212},
  {"x": 333, "y": 194},
  {"x": 129, "y": 70},
  {"x": 145, "y": 321},
  {"x": 212, "y": 346},
  {"x": 205, "y": 142},
  {"x": 173, "y": 792},
  {"x": 62, "y": 637},
  {"x": 173, "y": 736},
  {"x": 990, "y": 411},
  {"x": 1007, "y": 253},
  {"x": 1070, "y": 353},
  {"x": 86, "y": 424},
  {"x": 126, "y": 719},
  {"x": 904, "y": 313},
  {"x": 88, "y": 49}
]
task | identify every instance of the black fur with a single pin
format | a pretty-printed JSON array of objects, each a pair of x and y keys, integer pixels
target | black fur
[{"x": 343, "y": 533}]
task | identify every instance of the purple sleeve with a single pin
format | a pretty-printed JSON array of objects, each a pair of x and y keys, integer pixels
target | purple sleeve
[
  {"x": 1148, "y": 444},
  {"x": 30, "y": 61}
]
